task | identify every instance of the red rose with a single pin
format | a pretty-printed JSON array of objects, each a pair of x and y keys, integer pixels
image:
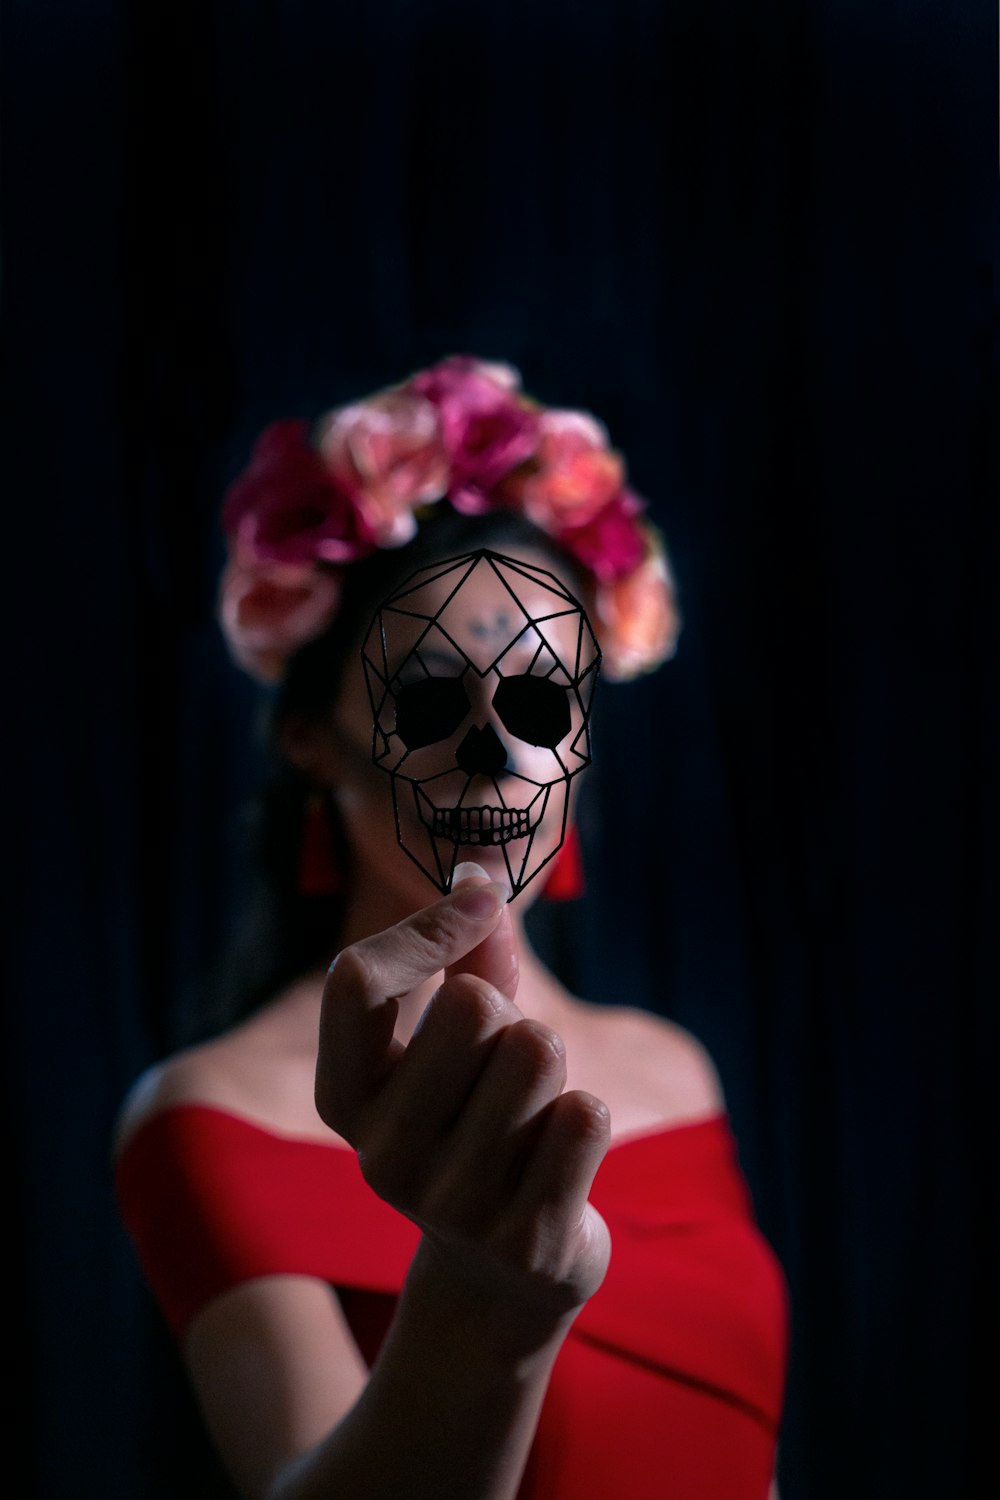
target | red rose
[
  {"x": 286, "y": 508},
  {"x": 487, "y": 428},
  {"x": 612, "y": 542}
]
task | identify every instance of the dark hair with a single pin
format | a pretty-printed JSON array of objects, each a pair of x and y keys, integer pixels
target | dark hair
[{"x": 283, "y": 932}]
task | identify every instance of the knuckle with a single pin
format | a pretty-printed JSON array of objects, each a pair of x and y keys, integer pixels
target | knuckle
[
  {"x": 588, "y": 1116},
  {"x": 469, "y": 1000},
  {"x": 432, "y": 932},
  {"x": 537, "y": 1047},
  {"x": 383, "y": 1168}
]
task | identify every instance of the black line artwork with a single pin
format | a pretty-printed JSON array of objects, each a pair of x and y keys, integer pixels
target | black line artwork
[{"x": 480, "y": 672}]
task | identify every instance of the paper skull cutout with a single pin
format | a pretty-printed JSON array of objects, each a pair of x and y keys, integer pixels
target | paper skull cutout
[{"x": 481, "y": 672}]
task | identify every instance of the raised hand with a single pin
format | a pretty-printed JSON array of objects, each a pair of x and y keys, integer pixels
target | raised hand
[{"x": 468, "y": 1130}]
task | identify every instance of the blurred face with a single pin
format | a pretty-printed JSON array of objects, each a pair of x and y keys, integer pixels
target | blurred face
[{"x": 471, "y": 713}]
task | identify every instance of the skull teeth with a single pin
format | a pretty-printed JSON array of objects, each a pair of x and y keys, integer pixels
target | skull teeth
[{"x": 480, "y": 825}]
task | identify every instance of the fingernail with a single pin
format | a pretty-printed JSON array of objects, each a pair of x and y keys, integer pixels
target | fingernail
[
  {"x": 482, "y": 900},
  {"x": 469, "y": 870}
]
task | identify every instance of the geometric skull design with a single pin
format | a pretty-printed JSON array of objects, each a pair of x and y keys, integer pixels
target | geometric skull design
[{"x": 481, "y": 672}]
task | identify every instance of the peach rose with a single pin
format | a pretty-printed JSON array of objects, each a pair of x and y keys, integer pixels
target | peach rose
[
  {"x": 639, "y": 621},
  {"x": 268, "y": 610},
  {"x": 388, "y": 454},
  {"x": 572, "y": 473}
]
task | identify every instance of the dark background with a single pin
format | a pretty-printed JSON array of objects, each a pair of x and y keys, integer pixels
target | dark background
[{"x": 755, "y": 239}]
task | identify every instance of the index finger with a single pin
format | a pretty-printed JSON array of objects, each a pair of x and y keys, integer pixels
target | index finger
[{"x": 357, "y": 1050}]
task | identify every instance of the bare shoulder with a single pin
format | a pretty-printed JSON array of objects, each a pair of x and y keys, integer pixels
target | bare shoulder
[
  {"x": 262, "y": 1069},
  {"x": 195, "y": 1076},
  {"x": 655, "y": 1072}
]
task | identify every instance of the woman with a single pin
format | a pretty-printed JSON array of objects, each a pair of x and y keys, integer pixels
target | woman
[{"x": 424, "y": 1223}]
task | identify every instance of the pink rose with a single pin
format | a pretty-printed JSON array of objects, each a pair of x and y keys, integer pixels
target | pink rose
[
  {"x": 268, "y": 610},
  {"x": 638, "y": 619},
  {"x": 488, "y": 428},
  {"x": 389, "y": 455},
  {"x": 613, "y": 542},
  {"x": 572, "y": 474},
  {"x": 286, "y": 508}
]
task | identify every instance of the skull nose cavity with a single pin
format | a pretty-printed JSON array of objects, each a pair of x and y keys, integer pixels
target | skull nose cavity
[{"x": 482, "y": 752}]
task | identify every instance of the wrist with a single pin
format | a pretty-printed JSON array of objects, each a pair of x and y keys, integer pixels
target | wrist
[{"x": 483, "y": 1311}]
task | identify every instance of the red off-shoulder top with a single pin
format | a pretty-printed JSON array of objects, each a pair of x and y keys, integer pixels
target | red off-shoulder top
[{"x": 669, "y": 1385}]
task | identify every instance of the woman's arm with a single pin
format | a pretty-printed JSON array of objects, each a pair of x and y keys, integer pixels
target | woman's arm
[{"x": 468, "y": 1131}]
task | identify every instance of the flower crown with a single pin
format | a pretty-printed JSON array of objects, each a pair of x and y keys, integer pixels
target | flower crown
[{"x": 316, "y": 497}]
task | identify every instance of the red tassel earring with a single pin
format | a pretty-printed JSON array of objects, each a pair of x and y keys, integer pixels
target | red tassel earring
[
  {"x": 566, "y": 882},
  {"x": 319, "y": 873}
]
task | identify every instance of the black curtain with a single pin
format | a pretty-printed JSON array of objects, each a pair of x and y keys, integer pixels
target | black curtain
[{"x": 757, "y": 240}]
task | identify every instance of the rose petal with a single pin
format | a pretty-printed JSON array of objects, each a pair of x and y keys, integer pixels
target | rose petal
[
  {"x": 638, "y": 619},
  {"x": 268, "y": 611},
  {"x": 286, "y": 508},
  {"x": 389, "y": 455},
  {"x": 613, "y": 542}
]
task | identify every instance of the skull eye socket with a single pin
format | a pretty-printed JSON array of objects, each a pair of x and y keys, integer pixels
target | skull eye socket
[
  {"x": 533, "y": 709},
  {"x": 429, "y": 710}
]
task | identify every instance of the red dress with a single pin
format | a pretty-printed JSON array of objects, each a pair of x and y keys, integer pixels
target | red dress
[{"x": 669, "y": 1385}]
